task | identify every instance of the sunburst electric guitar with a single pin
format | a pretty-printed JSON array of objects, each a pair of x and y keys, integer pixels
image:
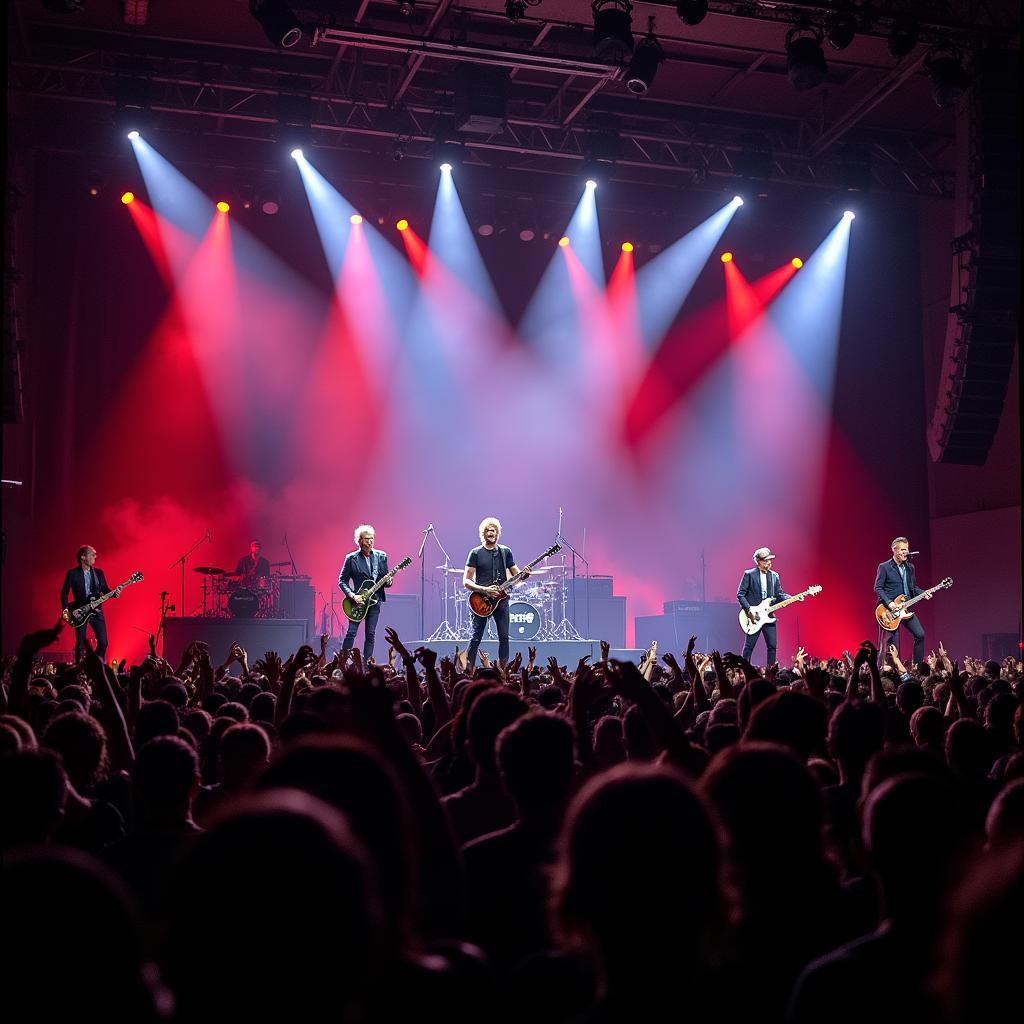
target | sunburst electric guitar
[
  {"x": 891, "y": 620},
  {"x": 483, "y": 605}
]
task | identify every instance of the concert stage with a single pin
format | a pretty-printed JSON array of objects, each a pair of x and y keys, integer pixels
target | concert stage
[{"x": 568, "y": 652}]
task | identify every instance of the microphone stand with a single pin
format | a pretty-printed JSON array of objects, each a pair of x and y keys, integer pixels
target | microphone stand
[
  {"x": 205, "y": 537},
  {"x": 161, "y": 630},
  {"x": 287, "y": 547},
  {"x": 444, "y": 631},
  {"x": 566, "y": 630}
]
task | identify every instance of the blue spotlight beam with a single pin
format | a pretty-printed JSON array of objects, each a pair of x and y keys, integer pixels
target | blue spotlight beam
[{"x": 663, "y": 285}]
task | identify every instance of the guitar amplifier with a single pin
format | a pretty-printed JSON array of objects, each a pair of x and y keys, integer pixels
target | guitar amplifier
[
  {"x": 600, "y": 586},
  {"x": 683, "y": 607},
  {"x": 296, "y": 600}
]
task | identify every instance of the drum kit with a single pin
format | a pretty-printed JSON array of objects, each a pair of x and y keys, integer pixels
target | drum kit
[
  {"x": 236, "y": 595},
  {"x": 536, "y": 607}
]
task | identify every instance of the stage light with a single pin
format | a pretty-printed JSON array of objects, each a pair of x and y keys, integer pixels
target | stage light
[
  {"x": 627, "y": 246},
  {"x": 797, "y": 262},
  {"x": 590, "y": 183},
  {"x": 613, "y": 36},
  {"x": 133, "y": 134},
  {"x": 848, "y": 215},
  {"x": 527, "y": 235},
  {"x": 355, "y": 219},
  {"x": 296, "y": 153},
  {"x": 515, "y": 9},
  {"x": 277, "y": 20},
  {"x": 841, "y": 27},
  {"x": 223, "y": 207},
  {"x": 727, "y": 257},
  {"x": 945, "y": 69},
  {"x": 692, "y": 12},
  {"x": 903, "y": 35},
  {"x": 406, "y": 7},
  {"x": 805, "y": 61},
  {"x": 446, "y": 167},
  {"x": 94, "y": 191},
  {"x": 127, "y": 197},
  {"x": 563, "y": 241},
  {"x": 402, "y": 225},
  {"x": 486, "y": 230},
  {"x": 738, "y": 200},
  {"x": 644, "y": 65}
]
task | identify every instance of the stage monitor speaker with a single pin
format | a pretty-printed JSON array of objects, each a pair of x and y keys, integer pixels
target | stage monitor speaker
[
  {"x": 714, "y": 625},
  {"x": 600, "y": 586},
  {"x": 257, "y": 636},
  {"x": 607, "y": 619}
]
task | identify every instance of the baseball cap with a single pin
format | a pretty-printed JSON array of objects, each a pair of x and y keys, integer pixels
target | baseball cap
[{"x": 764, "y": 553}]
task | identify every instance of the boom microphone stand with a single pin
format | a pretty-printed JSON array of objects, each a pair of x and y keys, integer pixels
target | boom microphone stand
[
  {"x": 444, "y": 631},
  {"x": 566, "y": 630},
  {"x": 181, "y": 561}
]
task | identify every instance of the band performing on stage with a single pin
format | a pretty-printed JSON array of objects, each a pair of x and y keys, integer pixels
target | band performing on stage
[{"x": 493, "y": 595}]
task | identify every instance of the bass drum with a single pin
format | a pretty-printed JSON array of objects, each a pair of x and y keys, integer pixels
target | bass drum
[
  {"x": 524, "y": 622},
  {"x": 244, "y": 604}
]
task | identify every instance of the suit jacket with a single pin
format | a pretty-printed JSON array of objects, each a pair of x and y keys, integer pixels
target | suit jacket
[
  {"x": 889, "y": 584},
  {"x": 353, "y": 573},
  {"x": 75, "y": 582},
  {"x": 749, "y": 591}
]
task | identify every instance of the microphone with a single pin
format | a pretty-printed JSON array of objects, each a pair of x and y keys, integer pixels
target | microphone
[
  {"x": 913, "y": 552},
  {"x": 430, "y": 528}
]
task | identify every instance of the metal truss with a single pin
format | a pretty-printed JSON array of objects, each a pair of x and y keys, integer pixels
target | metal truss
[{"x": 375, "y": 92}]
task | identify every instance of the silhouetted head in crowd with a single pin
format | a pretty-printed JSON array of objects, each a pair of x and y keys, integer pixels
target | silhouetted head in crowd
[
  {"x": 967, "y": 750},
  {"x": 82, "y": 745},
  {"x": 155, "y": 718},
  {"x": 411, "y": 728},
  {"x": 909, "y": 696},
  {"x": 244, "y": 752},
  {"x": 978, "y": 978},
  {"x": 928, "y": 728},
  {"x": 898, "y": 760},
  {"x": 351, "y": 777},
  {"x": 1004, "y": 825},
  {"x": 23, "y": 729},
  {"x": 234, "y": 710},
  {"x": 78, "y": 949},
  {"x": 274, "y": 915},
  {"x": 609, "y": 742},
  {"x": 262, "y": 707},
  {"x": 175, "y": 694},
  {"x": 755, "y": 692},
  {"x": 640, "y": 743},
  {"x": 76, "y": 693},
  {"x": 536, "y": 759},
  {"x": 915, "y": 830},
  {"x": 10, "y": 740},
  {"x": 771, "y": 808},
  {"x": 198, "y": 722},
  {"x": 490, "y": 714},
  {"x": 166, "y": 777},
  {"x": 794, "y": 720},
  {"x": 646, "y": 929},
  {"x": 33, "y": 792},
  {"x": 856, "y": 731}
]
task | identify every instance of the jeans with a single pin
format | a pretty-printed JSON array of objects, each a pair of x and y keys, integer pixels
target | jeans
[
  {"x": 770, "y": 638},
  {"x": 99, "y": 629},
  {"x": 369, "y": 632},
  {"x": 500, "y": 617},
  {"x": 916, "y": 630}
]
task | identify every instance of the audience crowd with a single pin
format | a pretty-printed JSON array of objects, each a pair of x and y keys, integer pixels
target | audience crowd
[{"x": 691, "y": 840}]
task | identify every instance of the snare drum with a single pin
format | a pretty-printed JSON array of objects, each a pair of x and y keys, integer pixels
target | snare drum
[{"x": 244, "y": 604}]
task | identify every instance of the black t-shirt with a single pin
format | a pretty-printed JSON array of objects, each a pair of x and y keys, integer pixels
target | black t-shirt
[{"x": 492, "y": 567}]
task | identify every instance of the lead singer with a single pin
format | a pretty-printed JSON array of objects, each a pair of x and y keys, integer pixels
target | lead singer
[{"x": 487, "y": 566}]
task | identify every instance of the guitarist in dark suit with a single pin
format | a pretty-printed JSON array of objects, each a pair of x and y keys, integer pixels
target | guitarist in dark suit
[
  {"x": 896, "y": 576},
  {"x": 486, "y": 566},
  {"x": 87, "y": 582},
  {"x": 361, "y": 565},
  {"x": 755, "y": 585}
]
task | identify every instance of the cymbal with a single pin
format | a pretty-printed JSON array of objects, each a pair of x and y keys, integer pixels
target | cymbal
[
  {"x": 450, "y": 569},
  {"x": 209, "y": 570}
]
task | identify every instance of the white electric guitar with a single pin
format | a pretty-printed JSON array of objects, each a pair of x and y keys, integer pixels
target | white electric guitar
[{"x": 763, "y": 613}]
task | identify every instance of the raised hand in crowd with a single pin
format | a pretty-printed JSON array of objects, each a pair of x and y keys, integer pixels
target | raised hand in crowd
[
  {"x": 606, "y": 649},
  {"x": 532, "y": 652},
  {"x": 485, "y": 659}
]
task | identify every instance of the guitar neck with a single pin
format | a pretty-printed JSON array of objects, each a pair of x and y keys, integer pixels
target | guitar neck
[
  {"x": 789, "y": 600},
  {"x": 920, "y": 597},
  {"x": 513, "y": 580}
]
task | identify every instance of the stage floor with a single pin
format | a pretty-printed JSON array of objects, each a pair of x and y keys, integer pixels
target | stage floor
[{"x": 568, "y": 652}]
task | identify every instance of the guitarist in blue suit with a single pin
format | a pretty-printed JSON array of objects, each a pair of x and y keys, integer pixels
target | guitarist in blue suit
[
  {"x": 87, "y": 582},
  {"x": 755, "y": 585},
  {"x": 894, "y": 577},
  {"x": 361, "y": 565}
]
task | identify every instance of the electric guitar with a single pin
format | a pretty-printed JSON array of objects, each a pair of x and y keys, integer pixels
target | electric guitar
[
  {"x": 357, "y": 612},
  {"x": 79, "y": 614},
  {"x": 891, "y": 620},
  {"x": 763, "y": 612},
  {"x": 483, "y": 605}
]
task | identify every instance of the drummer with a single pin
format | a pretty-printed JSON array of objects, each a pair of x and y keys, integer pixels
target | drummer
[{"x": 253, "y": 567}]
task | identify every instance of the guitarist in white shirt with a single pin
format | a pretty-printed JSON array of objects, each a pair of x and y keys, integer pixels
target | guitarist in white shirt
[
  {"x": 757, "y": 585},
  {"x": 87, "y": 582}
]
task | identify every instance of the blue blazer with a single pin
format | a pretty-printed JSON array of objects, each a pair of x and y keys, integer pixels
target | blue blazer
[
  {"x": 75, "y": 582},
  {"x": 353, "y": 573},
  {"x": 889, "y": 585},
  {"x": 749, "y": 591}
]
